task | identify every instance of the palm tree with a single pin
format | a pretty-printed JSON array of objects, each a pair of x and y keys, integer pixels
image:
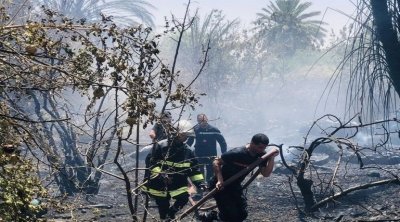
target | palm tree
[
  {"x": 216, "y": 33},
  {"x": 371, "y": 63},
  {"x": 124, "y": 12},
  {"x": 285, "y": 26}
]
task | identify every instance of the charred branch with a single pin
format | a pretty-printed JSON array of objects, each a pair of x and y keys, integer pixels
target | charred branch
[{"x": 352, "y": 189}]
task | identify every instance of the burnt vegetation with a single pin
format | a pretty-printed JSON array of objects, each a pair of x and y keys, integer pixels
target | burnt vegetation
[
  {"x": 323, "y": 179},
  {"x": 77, "y": 96}
]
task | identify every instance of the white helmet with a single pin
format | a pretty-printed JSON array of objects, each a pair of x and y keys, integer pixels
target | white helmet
[{"x": 184, "y": 127}]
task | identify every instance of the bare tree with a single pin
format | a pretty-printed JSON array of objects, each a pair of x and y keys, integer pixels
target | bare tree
[{"x": 338, "y": 142}]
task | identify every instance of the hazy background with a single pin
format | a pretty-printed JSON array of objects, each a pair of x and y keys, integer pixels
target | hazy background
[
  {"x": 283, "y": 109},
  {"x": 246, "y": 10}
]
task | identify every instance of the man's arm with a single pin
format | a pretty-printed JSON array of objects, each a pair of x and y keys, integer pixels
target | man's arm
[
  {"x": 221, "y": 141},
  {"x": 217, "y": 164},
  {"x": 269, "y": 166},
  {"x": 152, "y": 134},
  {"x": 154, "y": 155},
  {"x": 190, "y": 141},
  {"x": 154, "y": 131}
]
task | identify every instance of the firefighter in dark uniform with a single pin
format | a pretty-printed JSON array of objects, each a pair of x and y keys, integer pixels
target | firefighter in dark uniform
[
  {"x": 205, "y": 147},
  {"x": 170, "y": 164}
]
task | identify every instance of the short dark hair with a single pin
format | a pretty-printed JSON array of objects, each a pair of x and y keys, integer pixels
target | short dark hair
[
  {"x": 202, "y": 117},
  {"x": 260, "y": 138}
]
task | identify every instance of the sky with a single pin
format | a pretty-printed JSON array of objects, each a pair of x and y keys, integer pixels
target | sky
[{"x": 246, "y": 10}]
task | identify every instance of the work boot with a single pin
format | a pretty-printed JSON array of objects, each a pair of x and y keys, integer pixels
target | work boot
[
  {"x": 171, "y": 212},
  {"x": 208, "y": 216}
]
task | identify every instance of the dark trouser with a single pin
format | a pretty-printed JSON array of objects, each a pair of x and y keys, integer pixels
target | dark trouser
[
  {"x": 167, "y": 211},
  {"x": 231, "y": 204},
  {"x": 206, "y": 162}
]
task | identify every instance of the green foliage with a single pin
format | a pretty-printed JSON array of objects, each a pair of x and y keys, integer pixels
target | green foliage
[
  {"x": 51, "y": 54},
  {"x": 19, "y": 184},
  {"x": 54, "y": 53}
]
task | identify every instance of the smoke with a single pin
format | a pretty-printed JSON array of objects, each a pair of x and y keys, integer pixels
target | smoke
[{"x": 283, "y": 110}]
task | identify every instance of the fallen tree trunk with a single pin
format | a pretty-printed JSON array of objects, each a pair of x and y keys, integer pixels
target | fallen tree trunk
[{"x": 351, "y": 189}]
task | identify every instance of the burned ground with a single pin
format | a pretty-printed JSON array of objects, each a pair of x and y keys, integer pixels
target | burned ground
[{"x": 269, "y": 199}]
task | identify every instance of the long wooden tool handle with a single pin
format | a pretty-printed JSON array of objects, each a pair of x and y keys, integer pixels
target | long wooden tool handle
[
  {"x": 228, "y": 181},
  {"x": 248, "y": 182},
  {"x": 254, "y": 176}
]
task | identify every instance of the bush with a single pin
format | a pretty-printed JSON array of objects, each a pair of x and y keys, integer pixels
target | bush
[{"x": 19, "y": 186}]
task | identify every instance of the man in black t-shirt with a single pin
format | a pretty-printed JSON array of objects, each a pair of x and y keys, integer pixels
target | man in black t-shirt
[{"x": 230, "y": 200}]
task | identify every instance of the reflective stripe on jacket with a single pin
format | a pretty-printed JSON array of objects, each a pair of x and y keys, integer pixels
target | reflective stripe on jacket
[
  {"x": 170, "y": 165},
  {"x": 160, "y": 193}
]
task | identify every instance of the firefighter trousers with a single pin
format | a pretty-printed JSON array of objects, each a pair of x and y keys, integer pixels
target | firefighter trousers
[
  {"x": 165, "y": 209},
  {"x": 207, "y": 161},
  {"x": 232, "y": 205}
]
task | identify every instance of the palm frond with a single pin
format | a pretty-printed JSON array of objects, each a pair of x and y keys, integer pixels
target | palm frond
[{"x": 124, "y": 12}]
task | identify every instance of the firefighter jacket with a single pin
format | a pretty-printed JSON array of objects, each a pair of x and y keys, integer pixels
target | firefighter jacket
[
  {"x": 170, "y": 165},
  {"x": 206, "y": 141}
]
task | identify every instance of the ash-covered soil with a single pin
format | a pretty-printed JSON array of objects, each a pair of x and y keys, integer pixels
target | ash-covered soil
[{"x": 269, "y": 199}]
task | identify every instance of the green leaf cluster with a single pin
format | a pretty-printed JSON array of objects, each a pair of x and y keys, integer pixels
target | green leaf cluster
[{"x": 19, "y": 185}]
